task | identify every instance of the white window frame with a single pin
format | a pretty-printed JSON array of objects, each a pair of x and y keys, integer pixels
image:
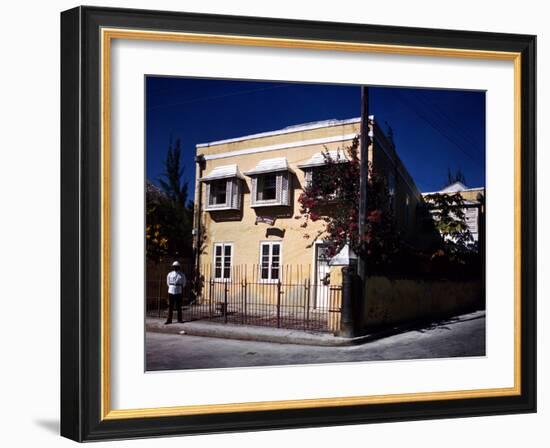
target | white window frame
[
  {"x": 308, "y": 181},
  {"x": 233, "y": 193},
  {"x": 282, "y": 190},
  {"x": 270, "y": 263},
  {"x": 223, "y": 245}
]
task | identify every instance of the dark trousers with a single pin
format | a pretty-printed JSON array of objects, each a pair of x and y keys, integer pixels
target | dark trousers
[{"x": 175, "y": 300}]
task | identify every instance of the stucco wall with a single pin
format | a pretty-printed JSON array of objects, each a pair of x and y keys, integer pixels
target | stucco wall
[
  {"x": 390, "y": 302},
  {"x": 240, "y": 228}
]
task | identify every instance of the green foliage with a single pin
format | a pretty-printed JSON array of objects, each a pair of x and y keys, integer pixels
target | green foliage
[
  {"x": 450, "y": 220},
  {"x": 171, "y": 179},
  {"x": 333, "y": 197},
  {"x": 169, "y": 214}
]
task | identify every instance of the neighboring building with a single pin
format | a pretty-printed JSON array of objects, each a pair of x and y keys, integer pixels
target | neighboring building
[
  {"x": 247, "y": 190},
  {"x": 474, "y": 205}
]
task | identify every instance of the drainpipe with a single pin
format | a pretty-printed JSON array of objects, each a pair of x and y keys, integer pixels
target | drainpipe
[{"x": 200, "y": 165}]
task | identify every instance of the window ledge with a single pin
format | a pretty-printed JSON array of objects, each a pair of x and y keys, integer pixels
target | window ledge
[
  {"x": 220, "y": 209},
  {"x": 269, "y": 204}
]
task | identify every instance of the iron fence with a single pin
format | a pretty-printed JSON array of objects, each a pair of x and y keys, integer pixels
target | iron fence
[{"x": 293, "y": 298}]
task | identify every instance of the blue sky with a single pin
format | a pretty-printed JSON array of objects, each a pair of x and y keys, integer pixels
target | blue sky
[{"x": 433, "y": 129}]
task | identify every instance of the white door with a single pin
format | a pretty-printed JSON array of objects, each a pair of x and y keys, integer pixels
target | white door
[{"x": 322, "y": 272}]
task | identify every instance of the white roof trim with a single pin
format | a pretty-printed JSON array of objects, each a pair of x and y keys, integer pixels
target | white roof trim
[
  {"x": 456, "y": 191},
  {"x": 223, "y": 172},
  {"x": 318, "y": 159},
  {"x": 270, "y": 166},
  {"x": 298, "y": 144},
  {"x": 287, "y": 130}
]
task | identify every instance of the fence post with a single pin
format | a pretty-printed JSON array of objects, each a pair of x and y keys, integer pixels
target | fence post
[
  {"x": 245, "y": 291},
  {"x": 278, "y": 303},
  {"x": 307, "y": 287},
  {"x": 210, "y": 284},
  {"x": 225, "y": 301}
]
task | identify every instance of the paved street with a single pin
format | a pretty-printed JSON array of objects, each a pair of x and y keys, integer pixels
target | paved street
[{"x": 460, "y": 336}]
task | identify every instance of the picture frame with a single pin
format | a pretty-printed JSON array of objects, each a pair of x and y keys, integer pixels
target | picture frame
[{"x": 86, "y": 37}]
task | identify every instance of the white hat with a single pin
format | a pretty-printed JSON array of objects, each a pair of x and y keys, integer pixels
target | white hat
[{"x": 176, "y": 263}]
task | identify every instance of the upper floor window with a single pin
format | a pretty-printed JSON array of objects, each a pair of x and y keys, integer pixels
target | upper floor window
[
  {"x": 391, "y": 189},
  {"x": 271, "y": 180},
  {"x": 319, "y": 175},
  {"x": 223, "y": 187},
  {"x": 317, "y": 168},
  {"x": 218, "y": 192},
  {"x": 266, "y": 189}
]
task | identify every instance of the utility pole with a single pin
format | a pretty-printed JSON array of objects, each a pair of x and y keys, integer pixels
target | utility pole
[{"x": 363, "y": 183}]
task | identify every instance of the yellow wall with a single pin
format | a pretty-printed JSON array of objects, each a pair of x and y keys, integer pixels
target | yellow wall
[{"x": 240, "y": 228}]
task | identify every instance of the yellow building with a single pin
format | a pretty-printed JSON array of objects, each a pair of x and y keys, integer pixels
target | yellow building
[{"x": 246, "y": 199}]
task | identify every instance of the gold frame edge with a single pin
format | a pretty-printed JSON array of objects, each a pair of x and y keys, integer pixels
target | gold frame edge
[{"x": 107, "y": 34}]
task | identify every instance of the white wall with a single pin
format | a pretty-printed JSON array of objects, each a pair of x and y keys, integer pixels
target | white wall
[{"x": 29, "y": 224}]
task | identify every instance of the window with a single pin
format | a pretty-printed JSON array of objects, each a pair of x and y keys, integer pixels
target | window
[
  {"x": 223, "y": 253},
  {"x": 317, "y": 176},
  {"x": 218, "y": 192},
  {"x": 267, "y": 188},
  {"x": 271, "y": 189},
  {"x": 270, "y": 261},
  {"x": 391, "y": 190},
  {"x": 223, "y": 194}
]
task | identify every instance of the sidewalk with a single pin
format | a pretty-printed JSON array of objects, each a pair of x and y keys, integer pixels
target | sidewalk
[
  {"x": 285, "y": 336},
  {"x": 250, "y": 333}
]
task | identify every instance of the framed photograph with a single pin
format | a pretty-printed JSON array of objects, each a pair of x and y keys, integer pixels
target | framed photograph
[{"x": 277, "y": 224}]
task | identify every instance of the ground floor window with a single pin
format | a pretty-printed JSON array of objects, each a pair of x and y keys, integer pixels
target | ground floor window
[
  {"x": 270, "y": 261},
  {"x": 223, "y": 255}
]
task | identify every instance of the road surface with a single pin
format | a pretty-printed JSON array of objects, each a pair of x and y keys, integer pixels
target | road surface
[{"x": 457, "y": 337}]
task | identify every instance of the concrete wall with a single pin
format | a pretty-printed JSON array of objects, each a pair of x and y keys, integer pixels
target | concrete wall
[{"x": 391, "y": 302}]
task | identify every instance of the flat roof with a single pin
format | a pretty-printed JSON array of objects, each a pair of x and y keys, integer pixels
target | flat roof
[{"x": 286, "y": 130}]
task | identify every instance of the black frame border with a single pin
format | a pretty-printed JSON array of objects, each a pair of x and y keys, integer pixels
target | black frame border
[{"x": 81, "y": 223}]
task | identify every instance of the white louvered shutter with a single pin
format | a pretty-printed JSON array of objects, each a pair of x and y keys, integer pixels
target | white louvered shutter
[
  {"x": 235, "y": 194},
  {"x": 254, "y": 185},
  {"x": 285, "y": 188},
  {"x": 308, "y": 178},
  {"x": 207, "y": 191}
]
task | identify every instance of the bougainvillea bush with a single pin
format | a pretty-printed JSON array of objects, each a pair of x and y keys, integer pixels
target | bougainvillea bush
[{"x": 333, "y": 197}]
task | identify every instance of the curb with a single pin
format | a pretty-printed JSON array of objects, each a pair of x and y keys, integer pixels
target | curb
[
  {"x": 277, "y": 335},
  {"x": 251, "y": 333}
]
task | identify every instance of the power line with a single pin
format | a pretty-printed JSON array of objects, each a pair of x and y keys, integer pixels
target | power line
[
  {"x": 430, "y": 106},
  {"x": 435, "y": 126},
  {"x": 215, "y": 97}
]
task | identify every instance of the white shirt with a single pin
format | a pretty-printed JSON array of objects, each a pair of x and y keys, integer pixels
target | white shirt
[{"x": 176, "y": 282}]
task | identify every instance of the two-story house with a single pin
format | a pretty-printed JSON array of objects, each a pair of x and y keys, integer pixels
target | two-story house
[{"x": 247, "y": 189}]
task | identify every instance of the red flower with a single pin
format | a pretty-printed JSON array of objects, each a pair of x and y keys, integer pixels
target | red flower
[{"x": 375, "y": 216}]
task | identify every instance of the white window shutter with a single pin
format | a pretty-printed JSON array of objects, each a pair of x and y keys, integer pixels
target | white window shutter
[
  {"x": 235, "y": 194},
  {"x": 254, "y": 190},
  {"x": 285, "y": 188},
  {"x": 308, "y": 178},
  {"x": 279, "y": 194},
  {"x": 228, "y": 193},
  {"x": 207, "y": 190}
]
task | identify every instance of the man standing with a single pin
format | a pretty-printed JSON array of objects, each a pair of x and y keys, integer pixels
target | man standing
[{"x": 176, "y": 282}]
